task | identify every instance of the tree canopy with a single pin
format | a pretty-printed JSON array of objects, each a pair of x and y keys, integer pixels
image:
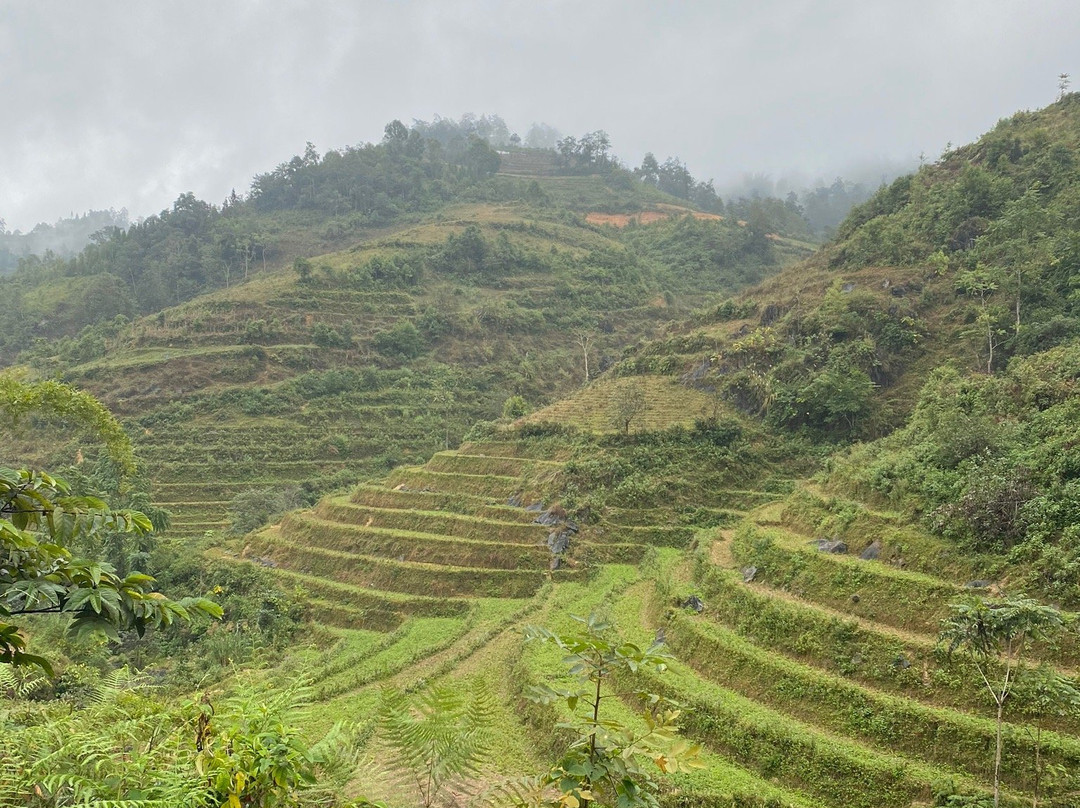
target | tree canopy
[
  {"x": 40, "y": 522},
  {"x": 39, "y": 574},
  {"x": 19, "y": 399}
]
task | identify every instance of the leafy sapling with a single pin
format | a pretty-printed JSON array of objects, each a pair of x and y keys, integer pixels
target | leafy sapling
[
  {"x": 995, "y": 635},
  {"x": 607, "y": 761},
  {"x": 1042, "y": 693}
]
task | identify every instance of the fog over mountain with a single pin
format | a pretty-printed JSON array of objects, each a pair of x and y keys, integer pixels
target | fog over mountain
[{"x": 123, "y": 104}]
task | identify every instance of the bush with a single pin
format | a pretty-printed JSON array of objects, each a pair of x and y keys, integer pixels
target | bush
[
  {"x": 515, "y": 407},
  {"x": 251, "y": 509},
  {"x": 403, "y": 341},
  {"x": 326, "y": 336}
]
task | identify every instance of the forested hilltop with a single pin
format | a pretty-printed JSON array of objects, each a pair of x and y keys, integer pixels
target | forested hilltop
[
  {"x": 838, "y": 487},
  {"x": 316, "y": 202}
]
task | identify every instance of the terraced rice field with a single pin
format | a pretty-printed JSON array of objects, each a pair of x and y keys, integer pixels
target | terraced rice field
[
  {"x": 814, "y": 681},
  {"x": 181, "y": 461},
  {"x": 593, "y": 407}
]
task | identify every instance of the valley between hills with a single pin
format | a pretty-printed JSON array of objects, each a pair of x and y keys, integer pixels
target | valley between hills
[{"x": 399, "y": 404}]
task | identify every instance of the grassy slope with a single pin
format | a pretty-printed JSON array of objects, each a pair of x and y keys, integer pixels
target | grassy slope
[
  {"x": 799, "y": 693},
  {"x": 242, "y": 387},
  {"x": 812, "y": 679}
]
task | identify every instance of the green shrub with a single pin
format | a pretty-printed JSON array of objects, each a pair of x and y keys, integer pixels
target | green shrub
[{"x": 402, "y": 341}]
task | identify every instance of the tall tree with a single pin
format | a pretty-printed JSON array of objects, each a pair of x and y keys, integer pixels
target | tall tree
[
  {"x": 995, "y": 635},
  {"x": 628, "y": 402},
  {"x": 1019, "y": 239},
  {"x": 40, "y": 521},
  {"x": 981, "y": 283},
  {"x": 649, "y": 172}
]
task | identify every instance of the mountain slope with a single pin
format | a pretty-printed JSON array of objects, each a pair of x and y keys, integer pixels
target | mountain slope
[
  {"x": 819, "y": 672},
  {"x": 672, "y": 493},
  {"x": 313, "y": 377}
]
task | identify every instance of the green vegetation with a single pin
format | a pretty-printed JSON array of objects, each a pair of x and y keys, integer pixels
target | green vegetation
[
  {"x": 437, "y": 739},
  {"x": 987, "y": 461},
  {"x": 604, "y": 763},
  {"x": 125, "y": 747},
  {"x": 638, "y": 437},
  {"x": 38, "y": 524},
  {"x": 999, "y": 631},
  {"x": 65, "y": 238}
]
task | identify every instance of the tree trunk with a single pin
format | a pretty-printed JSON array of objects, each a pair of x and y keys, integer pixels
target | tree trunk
[
  {"x": 997, "y": 754},
  {"x": 1018, "y": 280},
  {"x": 592, "y": 740},
  {"x": 1038, "y": 767}
]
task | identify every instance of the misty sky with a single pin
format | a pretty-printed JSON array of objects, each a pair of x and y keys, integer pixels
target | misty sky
[{"x": 128, "y": 104}]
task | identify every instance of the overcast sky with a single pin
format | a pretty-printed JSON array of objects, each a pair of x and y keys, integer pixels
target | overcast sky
[{"x": 105, "y": 103}]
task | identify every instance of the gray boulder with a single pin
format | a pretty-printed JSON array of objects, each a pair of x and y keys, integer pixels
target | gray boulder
[
  {"x": 835, "y": 546},
  {"x": 693, "y": 602},
  {"x": 872, "y": 552},
  {"x": 558, "y": 541}
]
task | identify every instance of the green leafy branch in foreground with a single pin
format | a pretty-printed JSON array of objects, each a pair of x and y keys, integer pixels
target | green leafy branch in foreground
[
  {"x": 606, "y": 762},
  {"x": 39, "y": 575}
]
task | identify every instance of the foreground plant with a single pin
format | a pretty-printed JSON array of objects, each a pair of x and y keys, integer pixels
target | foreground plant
[
  {"x": 438, "y": 739},
  {"x": 608, "y": 761},
  {"x": 39, "y": 521},
  {"x": 251, "y": 751},
  {"x": 130, "y": 747}
]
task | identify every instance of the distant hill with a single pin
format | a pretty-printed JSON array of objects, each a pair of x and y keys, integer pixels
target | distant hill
[{"x": 321, "y": 347}]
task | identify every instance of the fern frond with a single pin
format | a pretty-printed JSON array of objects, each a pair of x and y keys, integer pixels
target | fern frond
[
  {"x": 21, "y": 682},
  {"x": 439, "y": 738}
]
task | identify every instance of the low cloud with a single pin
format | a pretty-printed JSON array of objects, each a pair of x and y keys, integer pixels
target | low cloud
[{"x": 111, "y": 104}]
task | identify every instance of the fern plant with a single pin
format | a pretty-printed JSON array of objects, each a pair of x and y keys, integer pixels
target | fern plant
[
  {"x": 127, "y": 748},
  {"x": 440, "y": 738},
  {"x": 21, "y": 683},
  {"x": 124, "y": 748}
]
